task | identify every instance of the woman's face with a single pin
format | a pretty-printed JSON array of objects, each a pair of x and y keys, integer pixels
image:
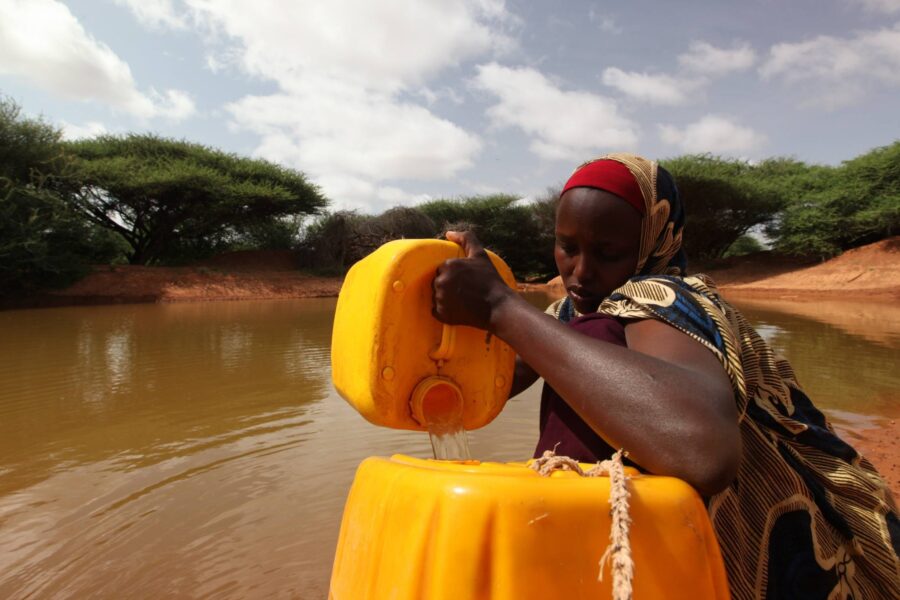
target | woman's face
[{"x": 597, "y": 243}]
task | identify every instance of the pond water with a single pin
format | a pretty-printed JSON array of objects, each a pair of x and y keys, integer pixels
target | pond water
[{"x": 199, "y": 450}]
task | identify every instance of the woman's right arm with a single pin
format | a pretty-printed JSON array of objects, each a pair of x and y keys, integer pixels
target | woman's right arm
[{"x": 665, "y": 398}]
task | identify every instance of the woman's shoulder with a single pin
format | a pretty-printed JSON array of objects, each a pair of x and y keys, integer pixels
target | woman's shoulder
[
  {"x": 670, "y": 291},
  {"x": 695, "y": 282},
  {"x": 688, "y": 303}
]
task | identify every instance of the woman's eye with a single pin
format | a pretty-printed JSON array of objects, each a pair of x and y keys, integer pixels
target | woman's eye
[
  {"x": 569, "y": 249},
  {"x": 608, "y": 257}
]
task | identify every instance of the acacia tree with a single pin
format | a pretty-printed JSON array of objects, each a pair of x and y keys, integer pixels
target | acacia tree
[
  {"x": 43, "y": 243},
  {"x": 724, "y": 199},
  {"x": 838, "y": 208},
  {"x": 165, "y": 197}
]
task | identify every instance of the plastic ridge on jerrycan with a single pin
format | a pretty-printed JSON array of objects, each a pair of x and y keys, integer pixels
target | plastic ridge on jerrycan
[
  {"x": 390, "y": 357},
  {"x": 443, "y": 530}
]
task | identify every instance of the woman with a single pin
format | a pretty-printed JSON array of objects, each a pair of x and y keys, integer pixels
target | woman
[{"x": 641, "y": 356}]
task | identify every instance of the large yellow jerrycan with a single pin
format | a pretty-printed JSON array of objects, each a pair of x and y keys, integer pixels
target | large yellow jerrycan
[
  {"x": 441, "y": 530},
  {"x": 394, "y": 362}
]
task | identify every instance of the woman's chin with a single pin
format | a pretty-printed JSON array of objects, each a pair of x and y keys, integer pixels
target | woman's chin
[{"x": 585, "y": 305}]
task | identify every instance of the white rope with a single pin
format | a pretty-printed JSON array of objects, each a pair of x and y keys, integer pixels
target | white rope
[{"x": 618, "y": 552}]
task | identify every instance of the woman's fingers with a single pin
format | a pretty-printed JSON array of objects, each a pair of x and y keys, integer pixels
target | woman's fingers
[
  {"x": 470, "y": 243},
  {"x": 464, "y": 288}
]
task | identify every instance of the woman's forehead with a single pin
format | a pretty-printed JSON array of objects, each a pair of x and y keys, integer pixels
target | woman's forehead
[{"x": 586, "y": 210}]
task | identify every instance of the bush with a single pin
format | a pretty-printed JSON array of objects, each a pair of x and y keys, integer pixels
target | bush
[
  {"x": 334, "y": 241},
  {"x": 746, "y": 244},
  {"x": 520, "y": 233},
  {"x": 516, "y": 231}
]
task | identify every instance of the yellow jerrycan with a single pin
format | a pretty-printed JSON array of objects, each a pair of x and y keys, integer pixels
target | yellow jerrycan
[
  {"x": 394, "y": 362},
  {"x": 418, "y": 529}
]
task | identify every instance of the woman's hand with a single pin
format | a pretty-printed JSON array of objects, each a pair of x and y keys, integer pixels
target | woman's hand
[{"x": 467, "y": 291}]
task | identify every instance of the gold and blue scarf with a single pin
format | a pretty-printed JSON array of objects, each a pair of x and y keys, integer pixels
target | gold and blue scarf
[{"x": 807, "y": 516}]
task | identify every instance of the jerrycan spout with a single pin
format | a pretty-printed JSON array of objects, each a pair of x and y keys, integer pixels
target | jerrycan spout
[
  {"x": 437, "y": 405},
  {"x": 436, "y": 400}
]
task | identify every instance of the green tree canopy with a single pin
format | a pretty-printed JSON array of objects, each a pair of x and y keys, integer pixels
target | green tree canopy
[
  {"x": 838, "y": 208},
  {"x": 171, "y": 199},
  {"x": 515, "y": 230},
  {"x": 30, "y": 149},
  {"x": 723, "y": 198},
  {"x": 43, "y": 243},
  {"x": 744, "y": 245}
]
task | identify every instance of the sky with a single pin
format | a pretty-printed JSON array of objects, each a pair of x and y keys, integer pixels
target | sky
[{"x": 395, "y": 102}]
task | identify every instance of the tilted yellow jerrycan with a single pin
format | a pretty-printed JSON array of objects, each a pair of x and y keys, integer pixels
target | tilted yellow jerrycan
[{"x": 394, "y": 362}]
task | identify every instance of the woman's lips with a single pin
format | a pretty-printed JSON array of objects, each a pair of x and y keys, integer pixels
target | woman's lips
[{"x": 582, "y": 296}]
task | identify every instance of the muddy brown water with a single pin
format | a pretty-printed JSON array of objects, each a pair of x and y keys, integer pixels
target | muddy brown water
[{"x": 199, "y": 450}]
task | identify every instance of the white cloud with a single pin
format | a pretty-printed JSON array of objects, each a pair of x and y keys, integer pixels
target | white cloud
[
  {"x": 87, "y": 130},
  {"x": 705, "y": 58},
  {"x": 699, "y": 65},
  {"x": 887, "y": 7},
  {"x": 564, "y": 125},
  {"x": 349, "y": 74},
  {"x": 379, "y": 45},
  {"x": 713, "y": 134},
  {"x": 174, "y": 104},
  {"x": 837, "y": 71},
  {"x": 353, "y": 193},
  {"x": 355, "y": 132},
  {"x": 444, "y": 93},
  {"x": 654, "y": 89},
  {"x": 42, "y": 42},
  {"x": 156, "y": 14}
]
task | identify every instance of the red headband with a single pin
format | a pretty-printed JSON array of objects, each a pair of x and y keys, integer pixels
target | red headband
[{"x": 610, "y": 176}]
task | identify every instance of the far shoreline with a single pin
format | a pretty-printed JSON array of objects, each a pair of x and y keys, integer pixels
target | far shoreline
[{"x": 867, "y": 274}]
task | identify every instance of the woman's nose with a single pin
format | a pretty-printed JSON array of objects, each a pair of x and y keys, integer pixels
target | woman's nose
[{"x": 583, "y": 269}]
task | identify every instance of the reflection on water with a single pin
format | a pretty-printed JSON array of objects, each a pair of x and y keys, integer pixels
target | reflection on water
[
  {"x": 191, "y": 449},
  {"x": 200, "y": 450},
  {"x": 845, "y": 355}
]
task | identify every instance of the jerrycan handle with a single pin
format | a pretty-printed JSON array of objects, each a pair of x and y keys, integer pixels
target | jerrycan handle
[
  {"x": 448, "y": 335},
  {"x": 445, "y": 349}
]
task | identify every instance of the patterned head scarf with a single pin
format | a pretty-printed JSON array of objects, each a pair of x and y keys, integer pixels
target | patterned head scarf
[{"x": 662, "y": 215}]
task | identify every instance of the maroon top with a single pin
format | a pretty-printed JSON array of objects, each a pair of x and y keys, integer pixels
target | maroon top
[{"x": 560, "y": 424}]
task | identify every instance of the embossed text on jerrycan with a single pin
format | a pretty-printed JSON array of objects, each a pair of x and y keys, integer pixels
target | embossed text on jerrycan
[{"x": 392, "y": 360}]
